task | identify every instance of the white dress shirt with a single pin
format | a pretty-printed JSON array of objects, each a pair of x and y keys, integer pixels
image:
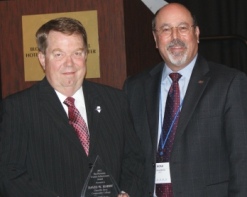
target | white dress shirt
[{"x": 79, "y": 103}]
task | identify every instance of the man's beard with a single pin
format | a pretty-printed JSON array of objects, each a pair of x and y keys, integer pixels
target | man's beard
[{"x": 177, "y": 58}]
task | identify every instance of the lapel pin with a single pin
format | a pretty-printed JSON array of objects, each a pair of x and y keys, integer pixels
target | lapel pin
[
  {"x": 200, "y": 82},
  {"x": 98, "y": 109}
]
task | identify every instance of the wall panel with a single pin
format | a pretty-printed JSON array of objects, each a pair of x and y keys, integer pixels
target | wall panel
[{"x": 111, "y": 38}]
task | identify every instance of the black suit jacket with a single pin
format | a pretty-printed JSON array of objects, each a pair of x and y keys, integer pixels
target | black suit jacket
[
  {"x": 209, "y": 155},
  {"x": 41, "y": 156}
]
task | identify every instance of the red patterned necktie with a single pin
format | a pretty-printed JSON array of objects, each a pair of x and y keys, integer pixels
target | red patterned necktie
[
  {"x": 78, "y": 123},
  {"x": 169, "y": 128}
]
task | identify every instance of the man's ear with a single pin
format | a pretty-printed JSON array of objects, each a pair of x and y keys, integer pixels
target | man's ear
[
  {"x": 41, "y": 57},
  {"x": 197, "y": 32},
  {"x": 155, "y": 39}
]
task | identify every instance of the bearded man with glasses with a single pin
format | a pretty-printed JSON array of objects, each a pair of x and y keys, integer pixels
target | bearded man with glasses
[{"x": 203, "y": 135}]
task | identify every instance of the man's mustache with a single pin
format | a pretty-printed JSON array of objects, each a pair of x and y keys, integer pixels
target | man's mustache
[{"x": 176, "y": 42}]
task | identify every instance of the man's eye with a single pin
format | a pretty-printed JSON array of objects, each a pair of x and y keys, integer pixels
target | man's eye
[
  {"x": 78, "y": 53},
  {"x": 166, "y": 29},
  {"x": 183, "y": 28},
  {"x": 58, "y": 54}
]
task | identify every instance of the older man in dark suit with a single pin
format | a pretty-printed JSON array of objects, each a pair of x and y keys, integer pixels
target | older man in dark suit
[
  {"x": 190, "y": 114},
  {"x": 48, "y": 144}
]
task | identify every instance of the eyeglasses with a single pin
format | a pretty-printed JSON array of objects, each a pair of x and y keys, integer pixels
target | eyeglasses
[{"x": 166, "y": 30}]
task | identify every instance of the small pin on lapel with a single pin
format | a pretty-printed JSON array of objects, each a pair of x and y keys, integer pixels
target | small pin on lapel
[
  {"x": 98, "y": 109},
  {"x": 200, "y": 81}
]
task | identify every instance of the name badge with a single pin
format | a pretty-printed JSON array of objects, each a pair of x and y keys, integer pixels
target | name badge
[{"x": 162, "y": 173}]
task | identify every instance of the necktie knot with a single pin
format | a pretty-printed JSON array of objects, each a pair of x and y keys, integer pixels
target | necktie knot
[
  {"x": 175, "y": 77},
  {"x": 69, "y": 101}
]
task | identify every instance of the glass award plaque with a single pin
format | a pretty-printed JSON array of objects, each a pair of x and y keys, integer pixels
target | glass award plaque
[{"x": 99, "y": 182}]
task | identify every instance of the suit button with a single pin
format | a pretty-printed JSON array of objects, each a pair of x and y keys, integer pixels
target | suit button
[
  {"x": 153, "y": 164},
  {"x": 90, "y": 165}
]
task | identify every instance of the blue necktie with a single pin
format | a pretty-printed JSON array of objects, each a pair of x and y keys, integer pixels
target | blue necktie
[{"x": 168, "y": 131}]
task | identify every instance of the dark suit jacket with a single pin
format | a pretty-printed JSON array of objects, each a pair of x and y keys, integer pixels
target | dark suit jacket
[
  {"x": 209, "y": 155},
  {"x": 41, "y": 156}
]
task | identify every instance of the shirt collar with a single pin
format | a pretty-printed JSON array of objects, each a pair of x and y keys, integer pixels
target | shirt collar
[
  {"x": 78, "y": 96},
  {"x": 186, "y": 71}
]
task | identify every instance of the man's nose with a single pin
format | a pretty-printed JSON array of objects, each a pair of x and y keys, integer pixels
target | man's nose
[
  {"x": 69, "y": 60},
  {"x": 175, "y": 34}
]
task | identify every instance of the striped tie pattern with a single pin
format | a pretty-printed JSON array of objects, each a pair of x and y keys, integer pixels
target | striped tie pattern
[{"x": 78, "y": 123}]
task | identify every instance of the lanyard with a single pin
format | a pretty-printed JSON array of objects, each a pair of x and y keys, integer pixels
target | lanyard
[{"x": 170, "y": 128}]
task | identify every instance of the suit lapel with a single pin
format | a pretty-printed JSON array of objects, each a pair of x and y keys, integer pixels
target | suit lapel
[
  {"x": 152, "y": 92},
  {"x": 198, "y": 82},
  {"x": 93, "y": 107},
  {"x": 51, "y": 103}
]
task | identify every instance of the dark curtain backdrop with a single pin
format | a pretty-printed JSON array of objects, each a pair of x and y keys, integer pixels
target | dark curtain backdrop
[{"x": 222, "y": 18}]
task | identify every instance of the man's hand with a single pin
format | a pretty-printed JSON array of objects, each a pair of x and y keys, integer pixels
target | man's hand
[{"x": 123, "y": 194}]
